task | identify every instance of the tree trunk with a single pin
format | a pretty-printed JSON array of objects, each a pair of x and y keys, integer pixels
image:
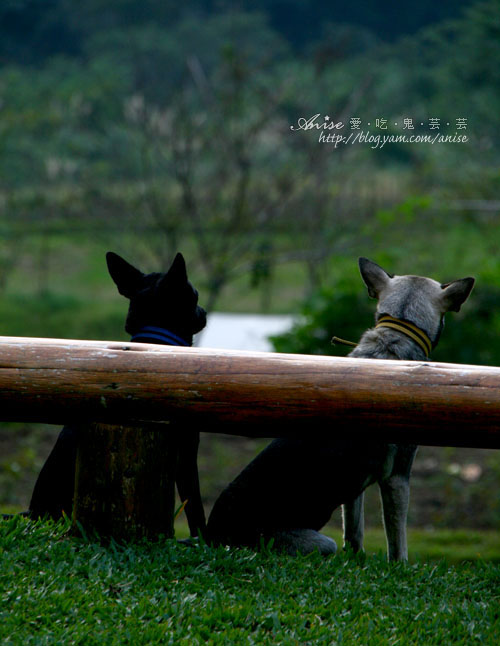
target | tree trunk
[{"x": 124, "y": 485}]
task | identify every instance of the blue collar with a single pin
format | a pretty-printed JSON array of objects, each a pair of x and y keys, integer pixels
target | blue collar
[{"x": 159, "y": 334}]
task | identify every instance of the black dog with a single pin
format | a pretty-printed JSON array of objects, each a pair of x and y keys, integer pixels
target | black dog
[{"x": 164, "y": 310}]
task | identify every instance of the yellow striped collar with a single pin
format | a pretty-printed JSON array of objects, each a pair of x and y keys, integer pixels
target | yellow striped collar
[{"x": 411, "y": 330}]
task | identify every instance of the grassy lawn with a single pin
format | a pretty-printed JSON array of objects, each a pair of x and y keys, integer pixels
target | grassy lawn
[
  {"x": 60, "y": 590},
  {"x": 424, "y": 545}
]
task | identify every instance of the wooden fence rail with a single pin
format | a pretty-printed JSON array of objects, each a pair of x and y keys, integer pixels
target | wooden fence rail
[
  {"x": 242, "y": 393},
  {"x": 255, "y": 394}
]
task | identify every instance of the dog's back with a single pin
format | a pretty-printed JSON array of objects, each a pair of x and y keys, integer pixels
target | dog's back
[{"x": 293, "y": 483}]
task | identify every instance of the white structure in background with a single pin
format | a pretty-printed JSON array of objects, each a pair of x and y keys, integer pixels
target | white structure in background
[{"x": 243, "y": 331}]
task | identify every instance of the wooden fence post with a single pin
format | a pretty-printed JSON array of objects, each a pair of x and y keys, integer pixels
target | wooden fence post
[{"x": 125, "y": 478}]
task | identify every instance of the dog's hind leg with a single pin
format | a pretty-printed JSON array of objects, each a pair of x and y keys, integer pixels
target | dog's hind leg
[
  {"x": 354, "y": 523},
  {"x": 302, "y": 541},
  {"x": 188, "y": 482}
]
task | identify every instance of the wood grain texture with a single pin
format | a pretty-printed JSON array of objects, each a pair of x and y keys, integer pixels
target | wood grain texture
[
  {"x": 243, "y": 393},
  {"x": 125, "y": 482}
]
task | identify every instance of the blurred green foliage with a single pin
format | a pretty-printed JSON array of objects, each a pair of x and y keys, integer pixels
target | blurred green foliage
[
  {"x": 33, "y": 30},
  {"x": 173, "y": 123}
]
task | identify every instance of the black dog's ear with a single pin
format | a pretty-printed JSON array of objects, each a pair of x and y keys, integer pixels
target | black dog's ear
[
  {"x": 456, "y": 293},
  {"x": 125, "y": 275},
  {"x": 374, "y": 277},
  {"x": 178, "y": 271}
]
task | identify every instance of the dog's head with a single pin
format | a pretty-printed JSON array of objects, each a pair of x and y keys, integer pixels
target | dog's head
[
  {"x": 419, "y": 300},
  {"x": 167, "y": 301}
]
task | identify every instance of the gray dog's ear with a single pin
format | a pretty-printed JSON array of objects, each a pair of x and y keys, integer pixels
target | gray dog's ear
[
  {"x": 374, "y": 277},
  {"x": 456, "y": 293},
  {"x": 125, "y": 275}
]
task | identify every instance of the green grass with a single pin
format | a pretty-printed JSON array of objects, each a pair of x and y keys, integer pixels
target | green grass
[
  {"x": 424, "y": 545},
  {"x": 59, "y": 590}
]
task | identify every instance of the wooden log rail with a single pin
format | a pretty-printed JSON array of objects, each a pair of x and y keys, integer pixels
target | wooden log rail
[
  {"x": 255, "y": 394},
  {"x": 241, "y": 393}
]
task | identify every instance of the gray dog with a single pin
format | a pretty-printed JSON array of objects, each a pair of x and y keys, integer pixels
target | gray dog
[{"x": 289, "y": 491}]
